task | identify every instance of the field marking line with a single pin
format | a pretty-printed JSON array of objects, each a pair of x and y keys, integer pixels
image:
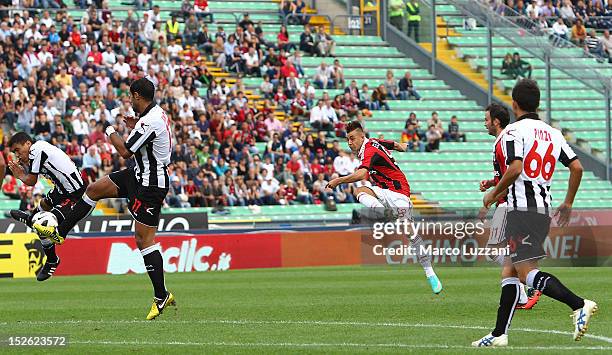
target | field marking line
[
  {"x": 336, "y": 345},
  {"x": 306, "y": 322}
]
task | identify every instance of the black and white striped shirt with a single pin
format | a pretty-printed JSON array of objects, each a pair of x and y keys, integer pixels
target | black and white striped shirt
[
  {"x": 151, "y": 143},
  {"x": 540, "y": 147},
  {"x": 56, "y": 165}
]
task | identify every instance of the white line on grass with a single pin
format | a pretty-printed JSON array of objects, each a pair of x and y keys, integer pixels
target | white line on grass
[
  {"x": 303, "y": 322},
  {"x": 335, "y": 345}
]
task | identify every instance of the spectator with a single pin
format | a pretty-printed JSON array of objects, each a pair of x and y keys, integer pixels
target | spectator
[
  {"x": 411, "y": 137},
  {"x": 593, "y": 45},
  {"x": 325, "y": 43},
  {"x": 606, "y": 41},
  {"x": 299, "y": 13},
  {"x": 454, "y": 134},
  {"x": 246, "y": 21},
  {"x": 396, "y": 14},
  {"x": 319, "y": 117},
  {"x": 506, "y": 68},
  {"x": 308, "y": 92},
  {"x": 283, "y": 41},
  {"x": 433, "y": 139},
  {"x": 286, "y": 7},
  {"x": 578, "y": 33},
  {"x": 365, "y": 98},
  {"x": 406, "y": 87},
  {"x": 91, "y": 164},
  {"x": 520, "y": 67},
  {"x": 292, "y": 86},
  {"x": 190, "y": 32},
  {"x": 338, "y": 75},
  {"x": 567, "y": 11},
  {"x": 379, "y": 98},
  {"x": 343, "y": 164},
  {"x": 561, "y": 32},
  {"x": 303, "y": 194},
  {"x": 299, "y": 106},
  {"x": 391, "y": 85},
  {"x": 324, "y": 76},
  {"x": 266, "y": 88},
  {"x": 437, "y": 123},
  {"x": 414, "y": 18},
  {"x": 269, "y": 189},
  {"x": 252, "y": 62},
  {"x": 296, "y": 61},
  {"x": 202, "y": 10},
  {"x": 307, "y": 43}
]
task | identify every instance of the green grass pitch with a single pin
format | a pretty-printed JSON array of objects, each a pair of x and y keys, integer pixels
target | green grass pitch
[{"x": 286, "y": 311}]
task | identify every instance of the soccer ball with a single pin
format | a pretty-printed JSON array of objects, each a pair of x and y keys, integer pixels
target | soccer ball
[{"x": 45, "y": 218}]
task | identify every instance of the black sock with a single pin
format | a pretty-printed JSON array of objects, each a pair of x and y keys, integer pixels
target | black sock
[
  {"x": 507, "y": 301},
  {"x": 79, "y": 211},
  {"x": 58, "y": 214},
  {"x": 155, "y": 268},
  {"x": 553, "y": 288},
  {"x": 49, "y": 249}
]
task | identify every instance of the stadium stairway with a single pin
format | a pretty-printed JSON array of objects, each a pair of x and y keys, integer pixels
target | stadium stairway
[{"x": 578, "y": 110}]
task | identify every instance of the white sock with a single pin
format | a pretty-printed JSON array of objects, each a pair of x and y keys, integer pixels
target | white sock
[
  {"x": 424, "y": 259},
  {"x": 89, "y": 201},
  {"x": 522, "y": 294},
  {"x": 530, "y": 276}
]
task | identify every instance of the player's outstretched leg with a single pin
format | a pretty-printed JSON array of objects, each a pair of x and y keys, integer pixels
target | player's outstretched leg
[
  {"x": 103, "y": 188},
  {"x": 425, "y": 261},
  {"x": 548, "y": 284},
  {"x": 154, "y": 263}
]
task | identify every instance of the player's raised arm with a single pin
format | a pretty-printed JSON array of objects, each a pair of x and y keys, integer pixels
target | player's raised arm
[
  {"x": 393, "y": 145},
  {"x": 118, "y": 143},
  {"x": 358, "y": 175}
]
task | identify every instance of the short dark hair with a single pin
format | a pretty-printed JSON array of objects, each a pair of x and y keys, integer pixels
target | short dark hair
[
  {"x": 526, "y": 94},
  {"x": 19, "y": 138},
  {"x": 353, "y": 125},
  {"x": 144, "y": 87},
  {"x": 499, "y": 112}
]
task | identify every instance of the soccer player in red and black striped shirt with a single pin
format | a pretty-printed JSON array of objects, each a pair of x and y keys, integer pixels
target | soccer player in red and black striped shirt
[{"x": 390, "y": 189}]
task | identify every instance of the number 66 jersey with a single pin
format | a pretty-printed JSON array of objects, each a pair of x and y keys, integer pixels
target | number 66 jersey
[{"x": 540, "y": 147}]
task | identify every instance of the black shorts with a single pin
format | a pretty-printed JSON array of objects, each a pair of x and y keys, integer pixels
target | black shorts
[
  {"x": 61, "y": 204},
  {"x": 525, "y": 233},
  {"x": 144, "y": 202}
]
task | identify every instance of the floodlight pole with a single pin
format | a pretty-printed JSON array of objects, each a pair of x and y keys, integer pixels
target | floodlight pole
[
  {"x": 489, "y": 62},
  {"x": 608, "y": 133},
  {"x": 434, "y": 37},
  {"x": 548, "y": 88}
]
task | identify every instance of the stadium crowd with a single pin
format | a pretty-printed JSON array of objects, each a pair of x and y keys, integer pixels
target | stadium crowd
[
  {"x": 65, "y": 81},
  {"x": 575, "y": 21}
]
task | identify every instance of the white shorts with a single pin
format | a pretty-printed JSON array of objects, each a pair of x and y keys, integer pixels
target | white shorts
[
  {"x": 400, "y": 204},
  {"x": 498, "y": 225}
]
